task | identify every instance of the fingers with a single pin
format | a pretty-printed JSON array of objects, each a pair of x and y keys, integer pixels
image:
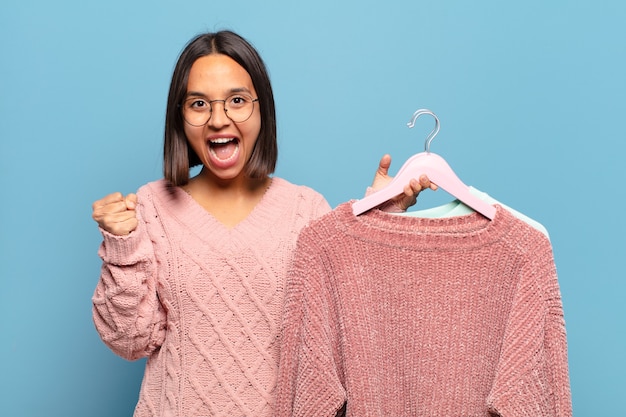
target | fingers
[
  {"x": 120, "y": 224},
  {"x": 116, "y": 213},
  {"x": 412, "y": 190},
  {"x": 409, "y": 198},
  {"x": 424, "y": 183},
  {"x": 414, "y": 187},
  {"x": 109, "y": 199}
]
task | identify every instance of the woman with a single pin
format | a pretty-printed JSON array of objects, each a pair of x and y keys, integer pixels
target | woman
[{"x": 193, "y": 268}]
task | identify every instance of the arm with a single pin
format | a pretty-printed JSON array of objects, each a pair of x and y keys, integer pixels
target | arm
[{"x": 126, "y": 310}]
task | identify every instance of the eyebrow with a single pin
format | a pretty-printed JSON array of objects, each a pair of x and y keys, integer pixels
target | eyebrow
[{"x": 231, "y": 91}]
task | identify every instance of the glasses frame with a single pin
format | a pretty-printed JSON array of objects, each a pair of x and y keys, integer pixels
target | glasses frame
[{"x": 223, "y": 101}]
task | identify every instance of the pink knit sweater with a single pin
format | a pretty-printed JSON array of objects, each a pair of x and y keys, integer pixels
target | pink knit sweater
[
  {"x": 201, "y": 301},
  {"x": 401, "y": 316}
]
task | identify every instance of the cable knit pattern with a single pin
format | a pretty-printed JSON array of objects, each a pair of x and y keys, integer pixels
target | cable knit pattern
[
  {"x": 390, "y": 315},
  {"x": 200, "y": 300}
]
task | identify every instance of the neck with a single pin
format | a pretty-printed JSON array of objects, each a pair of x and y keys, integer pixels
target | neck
[
  {"x": 230, "y": 201},
  {"x": 240, "y": 185}
]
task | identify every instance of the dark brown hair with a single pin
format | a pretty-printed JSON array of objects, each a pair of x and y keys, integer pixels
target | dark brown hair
[{"x": 178, "y": 156}]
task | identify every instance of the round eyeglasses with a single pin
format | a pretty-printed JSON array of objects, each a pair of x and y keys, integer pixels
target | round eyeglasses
[{"x": 238, "y": 107}]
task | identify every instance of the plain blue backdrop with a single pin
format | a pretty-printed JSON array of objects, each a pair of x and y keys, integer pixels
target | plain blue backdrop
[{"x": 531, "y": 101}]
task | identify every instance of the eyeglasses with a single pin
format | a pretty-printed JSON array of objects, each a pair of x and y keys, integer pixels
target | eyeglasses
[{"x": 238, "y": 107}]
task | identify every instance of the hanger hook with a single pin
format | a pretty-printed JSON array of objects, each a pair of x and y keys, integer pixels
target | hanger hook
[{"x": 433, "y": 133}]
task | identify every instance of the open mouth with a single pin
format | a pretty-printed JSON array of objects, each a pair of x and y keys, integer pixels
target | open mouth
[{"x": 224, "y": 149}]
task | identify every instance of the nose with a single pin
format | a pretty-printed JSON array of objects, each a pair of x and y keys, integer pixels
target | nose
[{"x": 218, "y": 118}]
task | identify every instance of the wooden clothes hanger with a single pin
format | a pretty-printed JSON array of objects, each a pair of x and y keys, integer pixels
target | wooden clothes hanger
[{"x": 437, "y": 170}]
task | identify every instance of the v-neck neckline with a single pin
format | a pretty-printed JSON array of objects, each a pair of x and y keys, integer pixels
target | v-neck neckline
[
  {"x": 261, "y": 192},
  {"x": 209, "y": 229}
]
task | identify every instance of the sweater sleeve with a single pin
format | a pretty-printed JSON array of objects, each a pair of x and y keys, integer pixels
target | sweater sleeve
[
  {"x": 532, "y": 377},
  {"x": 127, "y": 312},
  {"x": 308, "y": 382}
]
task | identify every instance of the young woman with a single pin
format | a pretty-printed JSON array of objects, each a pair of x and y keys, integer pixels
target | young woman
[{"x": 193, "y": 268}]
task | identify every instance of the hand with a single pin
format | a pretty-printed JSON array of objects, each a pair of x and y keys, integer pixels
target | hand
[
  {"x": 411, "y": 190},
  {"x": 116, "y": 213}
]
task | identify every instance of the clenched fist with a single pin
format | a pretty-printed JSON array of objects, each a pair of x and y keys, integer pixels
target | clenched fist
[{"x": 116, "y": 213}]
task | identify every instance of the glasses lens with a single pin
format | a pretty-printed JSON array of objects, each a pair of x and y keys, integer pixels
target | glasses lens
[
  {"x": 238, "y": 107},
  {"x": 196, "y": 111}
]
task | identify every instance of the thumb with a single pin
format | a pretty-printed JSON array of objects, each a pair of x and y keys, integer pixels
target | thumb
[
  {"x": 384, "y": 164},
  {"x": 131, "y": 201}
]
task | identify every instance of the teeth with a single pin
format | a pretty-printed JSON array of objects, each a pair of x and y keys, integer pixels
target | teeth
[{"x": 222, "y": 140}]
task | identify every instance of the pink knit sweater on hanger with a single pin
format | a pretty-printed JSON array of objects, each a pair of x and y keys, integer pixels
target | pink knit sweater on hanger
[{"x": 402, "y": 316}]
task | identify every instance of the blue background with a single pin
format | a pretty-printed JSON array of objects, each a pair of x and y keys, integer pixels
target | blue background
[{"x": 531, "y": 101}]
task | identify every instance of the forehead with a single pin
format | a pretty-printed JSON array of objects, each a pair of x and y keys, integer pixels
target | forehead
[{"x": 217, "y": 74}]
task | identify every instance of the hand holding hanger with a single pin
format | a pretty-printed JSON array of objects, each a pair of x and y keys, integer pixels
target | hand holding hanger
[
  {"x": 410, "y": 191},
  {"x": 435, "y": 168}
]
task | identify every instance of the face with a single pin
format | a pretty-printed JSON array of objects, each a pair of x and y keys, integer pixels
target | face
[{"x": 223, "y": 146}]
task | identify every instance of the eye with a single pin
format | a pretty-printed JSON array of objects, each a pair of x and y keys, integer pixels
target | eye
[
  {"x": 238, "y": 101},
  {"x": 197, "y": 104}
]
